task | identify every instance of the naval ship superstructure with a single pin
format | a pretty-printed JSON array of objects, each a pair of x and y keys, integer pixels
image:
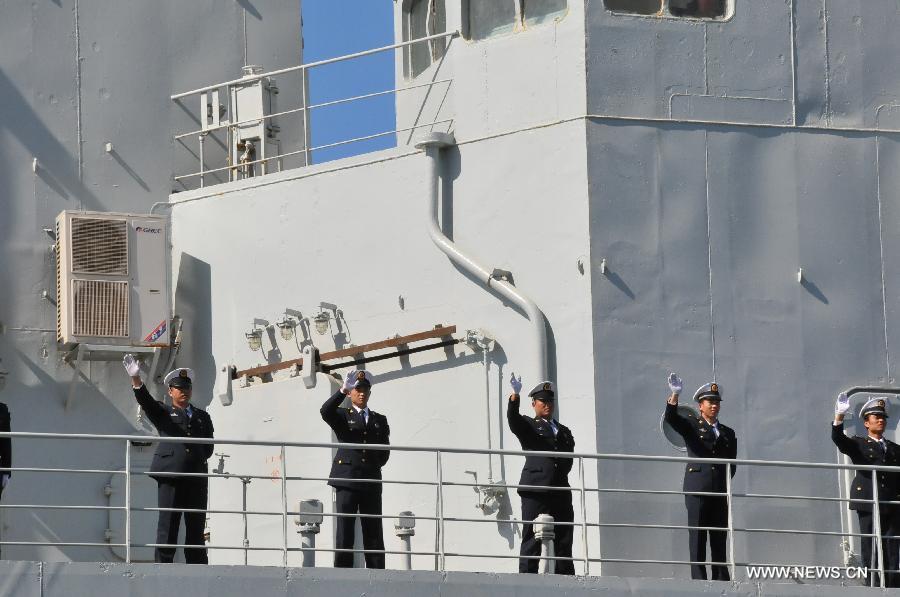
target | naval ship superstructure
[{"x": 593, "y": 192}]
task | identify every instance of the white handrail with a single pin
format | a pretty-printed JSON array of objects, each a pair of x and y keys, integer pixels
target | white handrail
[
  {"x": 441, "y": 517},
  {"x": 308, "y": 65}
]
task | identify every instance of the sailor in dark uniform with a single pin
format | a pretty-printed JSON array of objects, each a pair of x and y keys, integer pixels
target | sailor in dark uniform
[
  {"x": 545, "y": 434},
  {"x": 5, "y": 448},
  {"x": 180, "y": 419},
  {"x": 705, "y": 437},
  {"x": 873, "y": 449},
  {"x": 356, "y": 423}
]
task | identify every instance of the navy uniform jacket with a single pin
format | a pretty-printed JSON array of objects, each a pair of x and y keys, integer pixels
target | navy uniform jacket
[
  {"x": 173, "y": 457},
  {"x": 536, "y": 434},
  {"x": 351, "y": 428},
  {"x": 5, "y": 442},
  {"x": 701, "y": 442},
  {"x": 865, "y": 450}
]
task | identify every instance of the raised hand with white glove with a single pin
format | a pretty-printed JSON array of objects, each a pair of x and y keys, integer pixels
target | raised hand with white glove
[
  {"x": 675, "y": 384},
  {"x": 349, "y": 381},
  {"x": 515, "y": 384},
  {"x": 133, "y": 369},
  {"x": 675, "y": 387},
  {"x": 841, "y": 406}
]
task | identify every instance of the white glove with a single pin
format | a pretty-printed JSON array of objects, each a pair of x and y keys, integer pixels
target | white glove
[
  {"x": 842, "y": 405},
  {"x": 675, "y": 383},
  {"x": 4, "y": 481},
  {"x": 349, "y": 381},
  {"x": 131, "y": 365},
  {"x": 515, "y": 384}
]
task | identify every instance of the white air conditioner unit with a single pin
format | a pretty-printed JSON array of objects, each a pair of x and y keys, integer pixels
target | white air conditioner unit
[{"x": 112, "y": 279}]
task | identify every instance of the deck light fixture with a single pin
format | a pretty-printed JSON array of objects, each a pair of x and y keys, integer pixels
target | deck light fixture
[
  {"x": 322, "y": 321},
  {"x": 286, "y": 326},
  {"x": 254, "y": 338}
]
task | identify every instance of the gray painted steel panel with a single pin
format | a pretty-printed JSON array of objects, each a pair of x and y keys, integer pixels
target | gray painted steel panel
[
  {"x": 836, "y": 60},
  {"x": 75, "y": 75},
  {"x": 49, "y": 579},
  {"x": 777, "y": 201}
]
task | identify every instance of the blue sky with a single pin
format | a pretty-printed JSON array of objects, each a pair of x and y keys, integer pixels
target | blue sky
[{"x": 334, "y": 28}]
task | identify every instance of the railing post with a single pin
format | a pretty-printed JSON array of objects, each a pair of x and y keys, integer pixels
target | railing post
[
  {"x": 304, "y": 84},
  {"x": 202, "y": 138},
  {"x": 876, "y": 519},
  {"x": 128, "y": 501},
  {"x": 584, "y": 536},
  {"x": 284, "y": 506},
  {"x": 728, "y": 498},
  {"x": 440, "y": 496}
]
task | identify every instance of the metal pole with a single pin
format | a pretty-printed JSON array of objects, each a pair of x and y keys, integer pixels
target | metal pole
[
  {"x": 876, "y": 517},
  {"x": 440, "y": 480},
  {"x": 584, "y": 537},
  {"x": 728, "y": 498},
  {"x": 487, "y": 407},
  {"x": 128, "y": 501},
  {"x": 202, "y": 138},
  {"x": 406, "y": 546},
  {"x": 284, "y": 507},
  {"x": 304, "y": 83},
  {"x": 308, "y": 542},
  {"x": 245, "y": 481},
  {"x": 545, "y": 532}
]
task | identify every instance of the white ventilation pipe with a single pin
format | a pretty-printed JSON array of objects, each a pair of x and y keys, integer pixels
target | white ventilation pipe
[{"x": 432, "y": 144}]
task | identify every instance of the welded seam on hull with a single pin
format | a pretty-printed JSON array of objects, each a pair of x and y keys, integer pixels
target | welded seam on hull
[
  {"x": 78, "y": 96},
  {"x": 712, "y": 321},
  {"x": 827, "y": 114},
  {"x": 793, "y": 65},
  {"x": 887, "y": 352},
  {"x": 705, "y": 62},
  {"x": 244, "y": 20}
]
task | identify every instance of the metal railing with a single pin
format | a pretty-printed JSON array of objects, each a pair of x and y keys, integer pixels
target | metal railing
[
  {"x": 302, "y": 110},
  {"x": 442, "y": 518}
]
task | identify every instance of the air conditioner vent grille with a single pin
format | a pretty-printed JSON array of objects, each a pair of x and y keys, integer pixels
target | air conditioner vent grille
[
  {"x": 100, "y": 308},
  {"x": 99, "y": 246}
]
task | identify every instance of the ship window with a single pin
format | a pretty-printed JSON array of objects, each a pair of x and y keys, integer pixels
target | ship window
[
  {"x": 638, "y": 7},
  {"x": 535, "y": 12},
  {"x": 492, "y": 17},
  {"x": 422, "y": 18},
  {"x": 698, "y": 9},
  {"x": 704, "y": 9}
]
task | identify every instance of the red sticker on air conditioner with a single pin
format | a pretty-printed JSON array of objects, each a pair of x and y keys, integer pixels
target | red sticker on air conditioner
[{"x": 157, "y": 332}]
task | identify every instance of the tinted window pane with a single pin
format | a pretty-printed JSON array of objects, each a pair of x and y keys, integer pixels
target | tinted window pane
[
  {"x": 439, "y": 25},
  {"x": 704, "y": 9},
  {"x": 488, "y": 17},
  {"x": 639, "y": 7},
  {"x": 539, "y": 11},
  {"x": 417, "y": 19},
  {"x": 420, "y": 24}
]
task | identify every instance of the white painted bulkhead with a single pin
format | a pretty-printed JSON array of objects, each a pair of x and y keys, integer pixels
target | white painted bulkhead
[{"x": 355, "y": 233}]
